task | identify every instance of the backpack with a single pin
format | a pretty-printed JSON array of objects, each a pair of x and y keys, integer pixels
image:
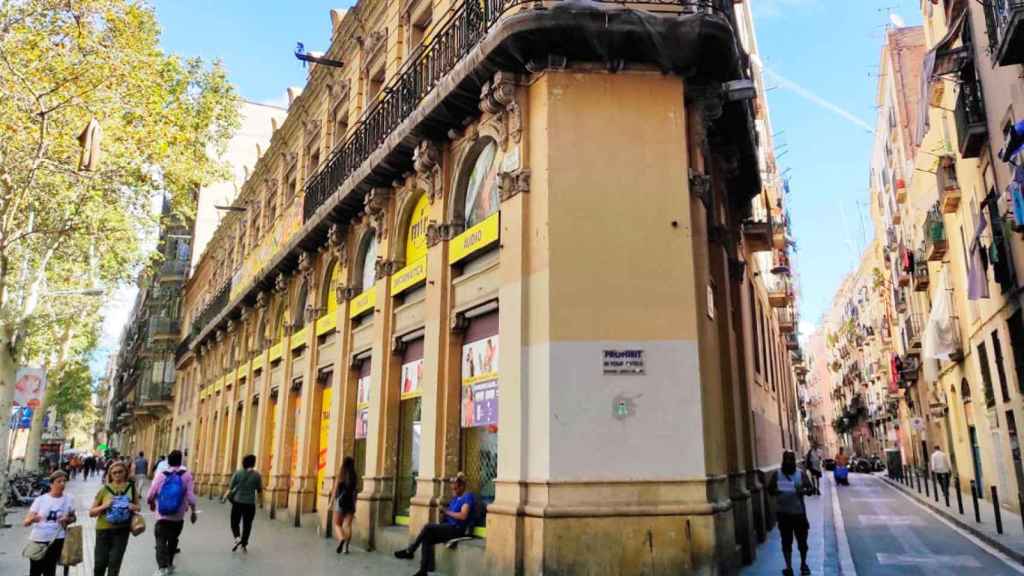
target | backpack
[
  {"x": 119, "y": 511},
  {"x": 172, "y": 493}
]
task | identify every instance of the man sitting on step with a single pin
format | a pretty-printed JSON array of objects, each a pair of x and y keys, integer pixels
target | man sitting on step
[{"x": 457, "y": 523}]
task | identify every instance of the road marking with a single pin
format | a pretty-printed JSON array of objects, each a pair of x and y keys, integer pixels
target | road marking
[
  {"x": 846, "y": 565},
  {"x": 890, "y": 520},
  {"x": 876, "y": 500},
  {"x": 970, "y": 537},
  {"x": 930, "y": 560}
]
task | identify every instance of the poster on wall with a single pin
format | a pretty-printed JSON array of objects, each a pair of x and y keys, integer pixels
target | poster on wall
[
  {"x": 362, "y": 422},
  {"x": 362, "y": 406},
  {"x": 29, "y": 387},
  {"x": 363, "y": 391},
  {"x": 325, "y": 425},
  {"x": 480, "y": 383},
  {"x": 412, "y": 379}
]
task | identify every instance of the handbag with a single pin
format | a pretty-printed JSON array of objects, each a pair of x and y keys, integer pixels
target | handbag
[
  {"x": 36, "y": 551},
  {"x": 138, "y": 524},
  {"x": 71, "y": 554}
]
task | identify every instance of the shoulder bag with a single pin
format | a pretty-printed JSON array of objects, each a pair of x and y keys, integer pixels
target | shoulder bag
[{"x": 36, "y": 551}]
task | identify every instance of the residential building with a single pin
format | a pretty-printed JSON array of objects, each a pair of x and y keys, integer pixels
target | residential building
[{"x": 511, "y": 240}]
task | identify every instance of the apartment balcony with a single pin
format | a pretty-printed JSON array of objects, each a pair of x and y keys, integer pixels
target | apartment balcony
[
  {"x": 949, "y": 186},
  {"x": 786, "y": 319},
  {"x": 935, "y": 244},
  {"x": 164, "y": 329},
  {"x": 792, "y": 343},
  {"x": 1005, "y": 20},
  {"x": 901, "y": 191},
  {"x": 971, "y": 127},
  {"x": 757, "y": 231},
  {"x": 173, "y": 271},
  {"x": 780, "y": 230},
  {"x": 913, "y": 325},
  {"x": 780, "y": 291},
  {"x": 921, "y": 277},
  {"x": 154, "y": 399}
]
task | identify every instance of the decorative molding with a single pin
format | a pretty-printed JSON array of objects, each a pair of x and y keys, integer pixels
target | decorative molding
[
  {"x": 434, "y": 235},
  {"x": 498, "y": 98},
  {"x": 281, "y": 284},
  {"x": 376, "y": 203},
  {"x": 371, "y": 45},
  {"x": 338, "y": 91},
  {"x": 459, "y": 323},
  {"x": 511, "y": 184},
  {"x": 700, "y": 186},
  {"x": 344, "y": 293},
  {"x": 261, "y": 299},
  {"x": 337, "y": 244},
  {"x": 311, "y": 313},
  {"x": 305, "y": 265},
  {"x": 382, "y": 268},
  {"x": 427, "y": 162}
]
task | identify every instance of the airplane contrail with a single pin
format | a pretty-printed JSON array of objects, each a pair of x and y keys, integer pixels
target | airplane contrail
[{"x": 817, "y": 100}]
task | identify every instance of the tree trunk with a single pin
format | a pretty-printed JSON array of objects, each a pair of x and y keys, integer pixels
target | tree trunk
[
  {"x": 8, "y": 371},
  {"x": 35, "y": 436}
]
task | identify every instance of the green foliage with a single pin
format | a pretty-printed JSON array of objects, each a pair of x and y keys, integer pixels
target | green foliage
[
  {"x": 70, "y": 390},
  {"x": 63, "y": 64}
]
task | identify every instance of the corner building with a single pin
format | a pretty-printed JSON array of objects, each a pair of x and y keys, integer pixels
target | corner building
[{"x": 503, "y": 238}]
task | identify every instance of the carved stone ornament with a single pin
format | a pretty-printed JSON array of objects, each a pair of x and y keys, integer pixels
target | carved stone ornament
[
  {"x": 498, "y": 98},
  {"x": 337, "y": 244},
  {"x": 512, "y": 183},
  {"x": 219, "y": 335},
  {"x": 311, "y": 313},
  {"x": 434, "y": 235},
  {"x": 450, "y": 230},
  {"x": 376, "y": 203},
  {"x": 261, "y": 299},
  {"x": 700, "y": 186},
  {"x": 230, "y": 326},
  {"x": 371, "y": 44},
  {"x": 427, "y": 162},
  {"x": 280, "y": 284},
  {"x": 384, "y": 268},
  {"x": 305, "y": 264},
  {"x": 339, "y": 90},
  {"x": 344, "y": 293}
]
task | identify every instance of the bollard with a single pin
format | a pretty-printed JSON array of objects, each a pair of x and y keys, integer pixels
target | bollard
[
  {"x": 946, "y": 493},
  {"x": 926, "y": 494},
  {"x": 917, "y": 479},
  {"x": 1020, "y": 505},
  {"x": 974, "y": 497},
  {"x": 995, "y": 509},
  {"x": 935, "y": 487},
  {"x": 959, "y": 496}
]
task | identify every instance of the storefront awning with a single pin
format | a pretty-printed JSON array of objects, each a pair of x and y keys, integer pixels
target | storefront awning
[{"x": 941, "y": 60}]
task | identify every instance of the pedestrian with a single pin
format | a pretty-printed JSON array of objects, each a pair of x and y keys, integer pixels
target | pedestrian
[
  {"x": 243, "y": 488},
  {"x": 812, "y": 463},
  {"x": 141, "y": 471},
  {"x": 170, "y": 495},
  {"x": 458, "y": 521},
  {"x": 842, "y": 472},
  {"x": 112, "y": 508},
  {"x": 344, "y": 498},
  {"x": 789, "y": 487},
  {"x": 161, "y": 465},
  {"x": 941, "y": 467},
  {"x": 49, "y": 516}
]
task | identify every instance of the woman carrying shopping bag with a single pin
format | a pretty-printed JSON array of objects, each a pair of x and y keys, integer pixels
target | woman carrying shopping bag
[
  {"x": 49, "y": 516},
  {"x": 113, "y": 508}
]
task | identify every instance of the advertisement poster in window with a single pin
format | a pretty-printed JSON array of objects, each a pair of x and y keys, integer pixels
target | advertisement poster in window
[
  {"x": 325, "y": 426},
  {"x": 362, "y": 406},
  {"x": 480, "y": 383},
  {"x": 412, "y": 379}
]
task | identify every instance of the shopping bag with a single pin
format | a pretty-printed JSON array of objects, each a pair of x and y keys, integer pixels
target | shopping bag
[
  {"x": 138, "y": 524},
  {"x": 35, "y": 551},
  {"x": 71, "y": 555}
]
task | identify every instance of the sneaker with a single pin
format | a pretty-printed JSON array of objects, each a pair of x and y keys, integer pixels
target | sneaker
[
  {"x": 404, "y": 554},
  {"x": 238, "y": 542},
  {"x": 161, "y": 572},
  {"x": 805, "y": 570}
]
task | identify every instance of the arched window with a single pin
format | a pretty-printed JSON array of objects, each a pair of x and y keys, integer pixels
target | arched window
[
  {"x": 328, "y": 296},
  {"x": 416, "y": 233},
  {"x": 481, "y": 192},
  {"x": 369, "y": 270},
  {"x": 299, "y": 313}
]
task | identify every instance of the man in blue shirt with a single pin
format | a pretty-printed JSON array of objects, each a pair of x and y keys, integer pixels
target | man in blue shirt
[{"x": 456, "y": 524}]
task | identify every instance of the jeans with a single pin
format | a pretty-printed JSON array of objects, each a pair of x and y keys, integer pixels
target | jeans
[
  {"x": 109, "y": 551},
  {"x": 434, "y": 534},
  {"x": 48, "y": 565},
  {"x": 790, "y": 525},
  {"x": 943, "y": 479},
  {"x": 167, "y": 533},
  {"x": 243, "y": 513}
]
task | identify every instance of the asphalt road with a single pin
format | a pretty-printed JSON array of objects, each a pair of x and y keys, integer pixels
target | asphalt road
[{"x": 889, "y": 534}]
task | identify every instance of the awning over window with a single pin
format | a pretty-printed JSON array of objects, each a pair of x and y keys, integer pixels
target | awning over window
[{"x": 941, "y": 60}]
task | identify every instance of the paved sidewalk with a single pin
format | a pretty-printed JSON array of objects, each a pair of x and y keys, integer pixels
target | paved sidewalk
[
  {"x": 1010, "y": 542},
  {"x": 821, "y": 542},
  {"x": 276, "y": 547}
]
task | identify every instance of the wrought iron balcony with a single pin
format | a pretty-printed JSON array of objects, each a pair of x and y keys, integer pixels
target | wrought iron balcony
[
  {"x": 164, "y": 328},
  {"x": 934, "y": 235},
  {"x": 780, "y": 290},
  {"x": 913, "y": 325},
  {"x": 949, "y": 186},
  {"x": 1005, "y": 20},
  {"x": 921, "y": 276},
  {"x": 971, "y": 127},
  {"x": 173, "y": 270},
  {"x": 786, "y": 318},
  {"x": 462, "y": 31},
  {"x": 214, "y": 308}
]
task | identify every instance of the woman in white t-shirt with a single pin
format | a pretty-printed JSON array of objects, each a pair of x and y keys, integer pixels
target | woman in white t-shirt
[{"x": 49, "y": 516}]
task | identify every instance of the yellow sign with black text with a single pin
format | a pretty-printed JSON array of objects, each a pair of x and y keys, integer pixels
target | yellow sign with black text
[
  {"x": 362, "y": 303},
  {"x": 409, "y": 276},
  {"x": 475, "y": 239}
]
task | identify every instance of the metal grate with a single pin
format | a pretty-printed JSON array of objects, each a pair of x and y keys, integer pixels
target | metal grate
[
  {"x": 408, "y": 454},
  {"x": 480, "y": 464}
]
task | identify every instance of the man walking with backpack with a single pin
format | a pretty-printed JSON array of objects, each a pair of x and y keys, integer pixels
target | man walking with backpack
[{"x": 170, "y": 495}]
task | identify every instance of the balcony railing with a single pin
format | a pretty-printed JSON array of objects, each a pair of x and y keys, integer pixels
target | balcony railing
[
  {"x": 1005, "y": 20},
  {"x": 780, "y": 290},
  {"x": 934, "y": 235},
  {"x": 913, "y": 325},
  {"x": 215, "y": 307},
  {"x": 462, "y": 31},
  {"x": 786, "y": 318},
  {"x": 174, "y": 269},
  {"x": 970, "y": 119},
  {"x": 160, "y": 328},
  {"x": 921, "y": 276},
  {"x": 949, "y": 186}
]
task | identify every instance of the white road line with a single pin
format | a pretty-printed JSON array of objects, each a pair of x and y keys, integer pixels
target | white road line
[
  {"x": 970, "y": 537},
  {"x": 872, "y": 500},
  {"x": 935, "y": 560},
  {"x": 846, "y": 565},
  {"x": 890, "y": 520}
]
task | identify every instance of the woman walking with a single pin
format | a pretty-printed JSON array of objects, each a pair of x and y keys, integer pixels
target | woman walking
[
  {"x": 789, "y": 487},
  {"x": 49, "y": 516},
  {"x": 242, "y": 490},
  {"x": 113, "y": 508},
  {"x": 344, "y": 498}
]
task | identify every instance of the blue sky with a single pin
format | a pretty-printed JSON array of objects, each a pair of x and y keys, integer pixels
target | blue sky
[{"x": 826, "y": 48}]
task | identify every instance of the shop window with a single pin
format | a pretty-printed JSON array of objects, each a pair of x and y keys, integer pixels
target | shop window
[
  {"x": 363, "y": 380},
  {"x": 480, "y": 408},
  {"x": 409, "y": 428},
  {"x": 481, "y": 191}
]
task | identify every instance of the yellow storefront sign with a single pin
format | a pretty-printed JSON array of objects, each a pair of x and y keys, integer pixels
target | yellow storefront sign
[
  {"x": 275, "y": 351},
  {"x": 362, "y": 303},
  {"x": 257, "y": 362},
  {"x": 325, "y": 426},
  {"x": 299, "y": 339},
  {"x": 416, "y": 238},
  {"x": 409, "y": 276},
  {"x": 475, "y": 239}
]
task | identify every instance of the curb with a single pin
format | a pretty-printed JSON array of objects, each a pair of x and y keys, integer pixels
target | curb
[{"x": 960, "y": 522}]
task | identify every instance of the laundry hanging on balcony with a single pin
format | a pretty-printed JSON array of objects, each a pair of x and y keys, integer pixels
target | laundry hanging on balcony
[
  {"x": 941, "y": 60},
  {"x": 977, "y": 279},
  {"x": 1014, "y": 142},
  {"x": 940, "y": 333},
  {"x": 1015, "y": 198}
]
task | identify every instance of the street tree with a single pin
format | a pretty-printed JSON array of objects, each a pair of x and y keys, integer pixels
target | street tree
[{"x": 96, "y": 121}]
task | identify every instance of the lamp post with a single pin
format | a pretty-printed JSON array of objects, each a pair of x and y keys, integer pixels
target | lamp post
[{"x": 7, "y": 398}]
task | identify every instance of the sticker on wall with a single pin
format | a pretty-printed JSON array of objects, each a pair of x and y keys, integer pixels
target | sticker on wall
[
  {"x": 629, "y": 362},
  {"x": 412, "y": 379},
  {"x": 480, "y": 383}
]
